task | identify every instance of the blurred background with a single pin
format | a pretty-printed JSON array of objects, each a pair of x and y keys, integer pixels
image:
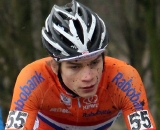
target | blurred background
[{"x": 134, "y": 31}]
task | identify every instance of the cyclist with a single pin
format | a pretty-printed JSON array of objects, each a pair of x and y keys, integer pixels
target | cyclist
[{"x": 77, "y": 87}]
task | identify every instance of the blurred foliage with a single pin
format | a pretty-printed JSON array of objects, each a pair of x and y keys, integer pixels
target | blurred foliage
[{"x": 133, "y": 27}]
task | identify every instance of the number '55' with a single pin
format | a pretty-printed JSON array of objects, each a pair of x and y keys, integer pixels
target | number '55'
[
  {"x": 16, "y": 119},
  {"x": 140, "y": 119}
]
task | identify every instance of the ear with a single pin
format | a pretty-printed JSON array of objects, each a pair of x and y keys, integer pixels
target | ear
[{"x": 54, "y": 65}]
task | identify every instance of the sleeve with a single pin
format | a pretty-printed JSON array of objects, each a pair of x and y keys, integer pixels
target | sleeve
[
  {"x": 26, "y": 100},
  {"x": 132, "y": 99}
]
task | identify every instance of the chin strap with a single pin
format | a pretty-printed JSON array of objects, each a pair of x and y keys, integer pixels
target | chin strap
[{"x": 74, "y": 95}]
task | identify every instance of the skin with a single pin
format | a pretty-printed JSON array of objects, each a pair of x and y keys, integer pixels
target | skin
[{"x": 83, "y": 76}]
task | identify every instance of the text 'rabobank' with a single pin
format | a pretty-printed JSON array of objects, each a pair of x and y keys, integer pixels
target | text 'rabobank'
[
  {"x": 126, "y": 86},
  {"x": 27, "y": 89}
]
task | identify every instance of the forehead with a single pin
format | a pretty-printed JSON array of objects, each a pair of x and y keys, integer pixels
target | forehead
[{"x": 85, "y": 60}]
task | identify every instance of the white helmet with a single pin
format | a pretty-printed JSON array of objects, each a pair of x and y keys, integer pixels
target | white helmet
[{"x": 74, "y": 31}]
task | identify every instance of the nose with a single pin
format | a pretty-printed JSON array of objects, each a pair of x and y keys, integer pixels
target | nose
[{"x": 86, "y": 74}]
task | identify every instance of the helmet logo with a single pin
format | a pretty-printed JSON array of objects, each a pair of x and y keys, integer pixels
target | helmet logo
[
  {"x": 74, "y": 47},
  {"x": 85, "y": 52}
]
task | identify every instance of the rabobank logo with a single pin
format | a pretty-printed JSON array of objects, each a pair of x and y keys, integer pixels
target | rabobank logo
[
  {"x": 126, "y": 86},
  {"x": 27, "y": 89}
]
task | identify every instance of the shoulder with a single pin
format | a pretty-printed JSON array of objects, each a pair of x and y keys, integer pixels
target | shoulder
[
  {"x": 37, "y": 71},
  {"x": 113, "y": 65},
  {"x": 37, "y": 65},
  {"x": 118, "y": 71},
  {"x": 40, "y": 63},
  {"x": 124, "y": 83},
  {"x": 33, "y": 81},
  {"x": 111, "y": 62}
]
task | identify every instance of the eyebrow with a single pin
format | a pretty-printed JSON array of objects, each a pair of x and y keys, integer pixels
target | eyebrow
[{"x": 74, "y": 63}]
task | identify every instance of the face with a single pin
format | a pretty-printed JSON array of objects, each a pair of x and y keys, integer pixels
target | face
[{"x": 82, "y": 76}]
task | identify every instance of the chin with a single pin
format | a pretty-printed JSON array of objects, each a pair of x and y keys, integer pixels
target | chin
[{"x": 86, "y": 95}]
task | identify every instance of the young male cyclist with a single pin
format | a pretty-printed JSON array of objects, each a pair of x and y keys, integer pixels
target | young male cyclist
[{"x": 77, "y": 88}]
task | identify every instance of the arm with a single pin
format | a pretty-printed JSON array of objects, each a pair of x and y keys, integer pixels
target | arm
[
  {"x": 133, "y": 100},
  {"x": 25, "y": 100}
]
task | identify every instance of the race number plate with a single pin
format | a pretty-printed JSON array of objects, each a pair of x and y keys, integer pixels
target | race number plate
[
  {"x": 140, "y": 120},
  {"x": 16, "y": 120}
]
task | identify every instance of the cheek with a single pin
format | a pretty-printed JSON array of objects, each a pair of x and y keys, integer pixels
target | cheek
[
  {"x": 99, "y": 71},
  {"x": 68, "y": 78},
  {"x": 99, "y": 74},
  {"x": 100, "y": 68}
]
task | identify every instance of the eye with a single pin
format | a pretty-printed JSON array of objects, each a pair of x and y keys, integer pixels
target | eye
[
  {"x": 74, "y": 67},
  {"x": 94, "y": 63}
]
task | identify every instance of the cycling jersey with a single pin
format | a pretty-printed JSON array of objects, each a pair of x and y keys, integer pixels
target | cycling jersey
[{"x": 40, "y": 102}]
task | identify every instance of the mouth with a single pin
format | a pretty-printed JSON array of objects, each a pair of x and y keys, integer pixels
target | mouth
[
  {"x": 91, "y": 88},
  {"x": 88, "y": 88}
]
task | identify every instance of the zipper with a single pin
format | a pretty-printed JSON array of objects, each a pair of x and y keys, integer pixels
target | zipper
[
  {"x": 79, "y": 103},
  {"x": 79, "y": 106}
]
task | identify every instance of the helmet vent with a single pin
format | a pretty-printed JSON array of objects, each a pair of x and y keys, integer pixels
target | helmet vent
[
  {"x": 89, "y": 44},
  {"x": 68, "y": 10},
  {"x": 62, "y": 15},
  {"x": 79, "y": 30},
  {"x": 80, "y": 12}
]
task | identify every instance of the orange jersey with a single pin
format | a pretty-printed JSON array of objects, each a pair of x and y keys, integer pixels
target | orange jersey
[{"x": 41, "y": 103}]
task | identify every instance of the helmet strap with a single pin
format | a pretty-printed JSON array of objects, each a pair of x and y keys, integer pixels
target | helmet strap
[{"x": 74, "y": 95}]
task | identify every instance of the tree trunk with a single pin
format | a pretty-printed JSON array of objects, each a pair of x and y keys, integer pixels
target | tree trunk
[
  {"x": 154, "y": 39},
  {"x": 36, "y": 23}
]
